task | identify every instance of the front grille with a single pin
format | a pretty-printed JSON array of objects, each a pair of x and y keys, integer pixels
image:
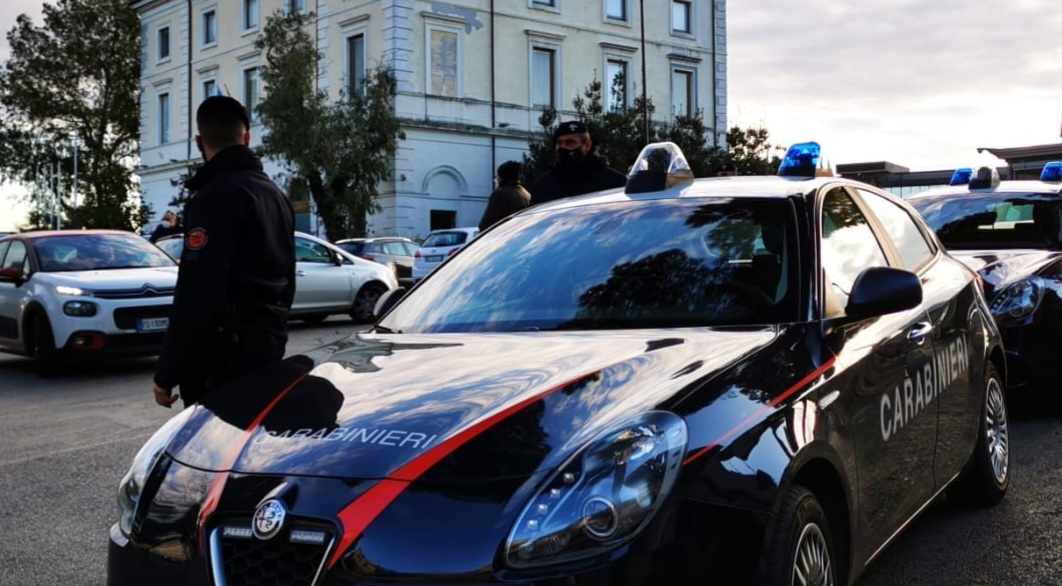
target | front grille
[
  {"x": 146, "y": 292},
  {"x": 125, "y": 318},
  {"x": 295, "y": 557}
]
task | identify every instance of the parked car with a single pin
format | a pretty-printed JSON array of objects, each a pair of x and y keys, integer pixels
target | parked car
[
  {"x": 748, "y": 380},
  {"x": 328, "y": 280},
  {"x": 1010, "y": 232},
  {"x": 82, "y": 294},
  {"x": 394, "y": 250},
  {"x": 439, "y": 246}
]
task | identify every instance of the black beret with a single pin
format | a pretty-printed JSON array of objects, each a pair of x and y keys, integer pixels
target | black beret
[
  {"x": 509, "y": 170},
  {"x": 569, "y": 127}
]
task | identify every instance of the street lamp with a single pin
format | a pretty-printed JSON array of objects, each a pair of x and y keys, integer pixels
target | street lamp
[{"x": 75, "y": 142}]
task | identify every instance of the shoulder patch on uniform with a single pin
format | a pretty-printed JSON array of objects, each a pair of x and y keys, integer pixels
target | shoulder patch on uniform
[{"x": 195, "y": 239}]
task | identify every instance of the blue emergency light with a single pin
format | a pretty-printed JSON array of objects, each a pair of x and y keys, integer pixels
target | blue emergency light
[
  {"x": 961, "y": 176},
  {"x": 1052, "y": 172},
  {"x": 801, "y": 160}
]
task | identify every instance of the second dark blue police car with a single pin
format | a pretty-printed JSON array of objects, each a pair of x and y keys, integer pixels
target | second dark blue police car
[
  {"x": 733, "y": 380},
  {"x": 1011, "y": 233}
]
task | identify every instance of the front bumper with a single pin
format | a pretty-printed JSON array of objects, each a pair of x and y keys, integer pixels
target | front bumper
[{"x": 128, "y": 565}]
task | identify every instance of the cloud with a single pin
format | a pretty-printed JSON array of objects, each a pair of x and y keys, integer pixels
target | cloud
[{"x": 919, "y": 83}]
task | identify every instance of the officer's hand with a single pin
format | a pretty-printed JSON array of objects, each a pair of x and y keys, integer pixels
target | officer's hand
[{"x": 165, "y": 397}]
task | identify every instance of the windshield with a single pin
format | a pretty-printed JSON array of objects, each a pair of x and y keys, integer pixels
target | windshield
[
  {"x": 994, "y": 220},
  {"x": 662, "y": 263},
  {"x": 354, "y": 248},
  {"x": 91, "y": 252},
  {"x": 445, "y": 239}
]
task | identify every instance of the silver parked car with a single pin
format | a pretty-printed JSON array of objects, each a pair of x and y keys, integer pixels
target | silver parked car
[{"x": 328, "y": 280}]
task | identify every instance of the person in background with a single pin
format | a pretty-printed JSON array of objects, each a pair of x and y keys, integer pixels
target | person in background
[
  {"x": 576, "y": 170},
  {"x": 170, "y": 224},
  {"x": 236, "y": 279},
  {"x": 508, "y": 196}
]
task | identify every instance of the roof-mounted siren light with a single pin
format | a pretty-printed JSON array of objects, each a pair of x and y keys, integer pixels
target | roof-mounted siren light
[
  {"x": 801, "y": 160},
  {"x": 659, "y": 166},
  {"x": 961, "y": 176},
  {"x": 985, "y": 178},
  {"x": 1052, "y": 172}
]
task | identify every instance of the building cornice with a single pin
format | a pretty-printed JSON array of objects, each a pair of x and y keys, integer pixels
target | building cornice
[
  {"x": 349, "y": 22},
  {"x": 607, "y": 46},
  {"x": 140, "y": 6},
  {"x": 543, "y": 35}
]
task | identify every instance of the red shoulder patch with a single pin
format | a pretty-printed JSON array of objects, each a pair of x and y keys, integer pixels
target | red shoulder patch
[{"x": 195, "y": 239}]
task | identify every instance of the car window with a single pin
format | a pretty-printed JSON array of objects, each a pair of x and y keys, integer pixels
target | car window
[
  {"x": 307, "y": 251},
  {"x": 82, "y": 252},
  {"x": 445, "y": 239},
  {"x": 410, "y": 248},
  {"x": 848, "y": 244},
  {"x": 665, "y": 263},
  {"x": 994, "y": 220},
  {"x": 3, "y": 249},
  {"x": 902, "y": 229},
  {"x": 16, "y": 258},
  {"x": 354, "y": 248},
  {"x": 395, "y": 248}
]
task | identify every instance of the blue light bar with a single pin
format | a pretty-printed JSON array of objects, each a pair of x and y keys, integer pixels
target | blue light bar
[
  {"x": 1052, "y": 172},
  {"x": 801, "y": 160},
  {"x": 961, "y": 176}
]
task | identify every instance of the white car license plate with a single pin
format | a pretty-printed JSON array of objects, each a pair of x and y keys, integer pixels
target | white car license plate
[
  {"x": 433, "y": 258},
  {"x": 152, "y": 324}
]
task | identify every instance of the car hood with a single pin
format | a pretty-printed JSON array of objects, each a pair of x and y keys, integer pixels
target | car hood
[
  {"x": 116, "y": 279},
  {"x": 443, "y": 407},
  {"x": 1000, "y": 268}
]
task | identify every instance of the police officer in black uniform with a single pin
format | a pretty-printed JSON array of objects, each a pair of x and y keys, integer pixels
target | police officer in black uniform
[
  {"x": 576, "y": 170},
  {"x": 236, "y": 279}
]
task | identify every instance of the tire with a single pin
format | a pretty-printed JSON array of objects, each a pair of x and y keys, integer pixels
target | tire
[
  {"x": 45, "y": 356},
  {"x": 364, "y": 309},
  {"x": 985, "y": 478},
  {"x": 801, "y": 550}
]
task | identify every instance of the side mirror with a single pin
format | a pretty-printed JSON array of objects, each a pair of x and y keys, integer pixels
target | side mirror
[
  {"x": 11, "y": 275},
  {"x": 388, "y": 300},
  {"x": 883, "y": 290}
]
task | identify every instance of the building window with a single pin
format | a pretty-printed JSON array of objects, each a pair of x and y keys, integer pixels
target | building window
[
  {"x": 681, "y": 16},
  {"x": 616, "y": 9},
  {"x": 445, "y": 60},
  {"x": 164, "y": 43},
  {"x": 210, "y": 88},
  {"x": 355, "y": 64},
  {"x": 210, "y": 27},
  {"x": 543, "y": 77},
  {"x": 250, "y": 92},
  {"x": 296, "y": 5},
  {"x": 250, "y": 14},
  {"x": 683, "y": 100},
  {"x": 550, "y": 3},
  {"x": 616, "y": 80},
  {"x": 164, "y": 118}
]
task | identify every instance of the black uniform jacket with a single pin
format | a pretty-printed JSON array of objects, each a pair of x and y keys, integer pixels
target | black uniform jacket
[
  {"x": 592, "y": 174},
  {"x": 236, "y": 279},
  {"x": 509, "y": 198}
]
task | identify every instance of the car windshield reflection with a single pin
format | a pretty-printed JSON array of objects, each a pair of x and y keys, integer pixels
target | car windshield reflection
[
  {"x": 669, "y": 263},
  {"x": 93, "y": 252}
]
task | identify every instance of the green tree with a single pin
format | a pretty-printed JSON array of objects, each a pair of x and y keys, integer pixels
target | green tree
[
  {"x": 691, "y": 134},
  {"x": 751, "y": 151},
  {"x": 77, "y": 76},
  {"x": 342, "y": 149}
]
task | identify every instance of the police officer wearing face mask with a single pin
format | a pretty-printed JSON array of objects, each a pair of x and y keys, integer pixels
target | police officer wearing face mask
[
  {"x": 576, "y": 170},
  {"x": 236, "y": 279}
]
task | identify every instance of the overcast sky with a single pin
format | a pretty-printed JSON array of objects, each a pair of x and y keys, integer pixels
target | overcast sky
[{"x": 920, "y": 83}]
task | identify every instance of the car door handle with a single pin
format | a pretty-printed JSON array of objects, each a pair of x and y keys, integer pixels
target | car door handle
[
  {"x": 300, "y": 273},
  {"x": 919, "y": 332}
]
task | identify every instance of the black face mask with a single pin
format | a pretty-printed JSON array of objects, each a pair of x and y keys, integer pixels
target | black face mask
[{"x": 569, "y": 159}]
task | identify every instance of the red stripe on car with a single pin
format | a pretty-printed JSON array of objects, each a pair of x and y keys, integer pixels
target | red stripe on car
[
  {"x": 783, "y": 396},
  {"x": 362, "y": 511}
]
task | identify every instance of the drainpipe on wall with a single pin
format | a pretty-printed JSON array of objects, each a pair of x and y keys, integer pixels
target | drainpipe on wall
[
  {"x": 714, "y": 81},
  {"x": 493, "y": 123},
  {"x": 645, "y": 102},
  {"x": 191, "y": 118}
]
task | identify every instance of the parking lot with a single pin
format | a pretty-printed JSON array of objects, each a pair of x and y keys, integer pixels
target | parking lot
[{"x": 65, "y": 442}]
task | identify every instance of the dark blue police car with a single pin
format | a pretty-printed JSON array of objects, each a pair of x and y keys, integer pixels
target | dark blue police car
[
  {"x": 743, "y": 379},
  {"x": 1011, "y": 233}
]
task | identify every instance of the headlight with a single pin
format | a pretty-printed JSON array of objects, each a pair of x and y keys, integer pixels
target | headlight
[
  {"x": 133, "y": 483},
  {"x": 603, "y": 496},
  {"x": 65, "y": 290},
  {"x": 1018, "y": 300},
  {"x": 80, "y": 308}
]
